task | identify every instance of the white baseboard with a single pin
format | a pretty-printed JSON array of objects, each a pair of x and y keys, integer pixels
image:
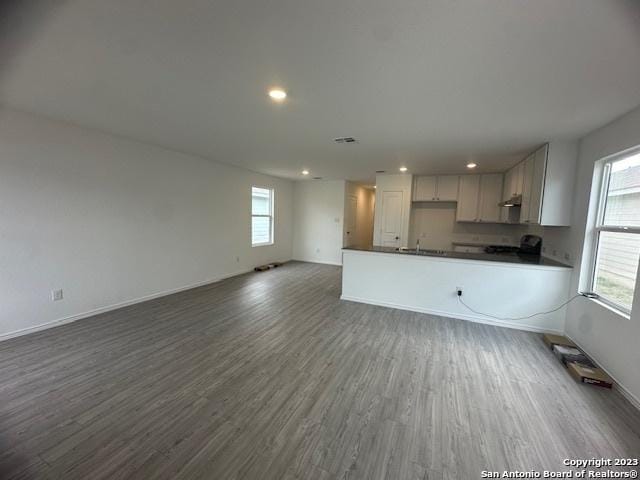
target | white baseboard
[
  {"x": 626, "y": 393},
  {"x": 458, "y": 316},
  {"x": 115, "y": 306},
  {"x": 337, "y": 264}
]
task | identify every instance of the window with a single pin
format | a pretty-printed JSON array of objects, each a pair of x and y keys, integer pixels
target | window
[
  {"x": 261, "y": 216},
  {"x": 616, "y": 244}
]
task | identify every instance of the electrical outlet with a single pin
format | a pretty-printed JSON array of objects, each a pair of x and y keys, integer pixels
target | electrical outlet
[
  {"x": 567, "y": 256},
  {"x": 554, "y": 253},
  {"x": 544, "y": 249},
  {"x": 459, "y": 291},
  {"x": 56, "y": 295}
]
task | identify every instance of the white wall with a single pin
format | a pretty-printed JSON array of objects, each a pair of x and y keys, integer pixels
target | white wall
[
  {"x": 400, "y": 183},
  {"x": 364, "y": 215},
  {"x": 111, "y": 220},
  {"x": 428, "y": 285},
  {"x": 318, "y": 215},
  {"x": 611, "y": 339},
  {"x": 434, "y": 224}
]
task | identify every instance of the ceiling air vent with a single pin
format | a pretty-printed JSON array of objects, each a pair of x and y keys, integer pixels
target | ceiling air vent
[
  {"x": 317, "y": 178},
  {"x": 345, "y": 140},
  {"x": 380, "y": 171}
]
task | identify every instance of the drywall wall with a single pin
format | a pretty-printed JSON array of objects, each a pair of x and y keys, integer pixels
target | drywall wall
[
  {"x": 318, "y": 215},
  {"x": 110, "y": 220},
  {"x": 434, "y": 224},
  {"x": 610, "y": 338},
  {"x": 428, "y": 285},
  {"x": 393, "y": 183},
  {"x": 365, "y": 201}
]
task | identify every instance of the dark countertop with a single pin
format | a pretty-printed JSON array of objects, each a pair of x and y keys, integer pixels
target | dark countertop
[{"x": 487, "y": 257}]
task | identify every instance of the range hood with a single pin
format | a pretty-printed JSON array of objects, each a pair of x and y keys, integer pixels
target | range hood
[{"x": 514, "y": 201}]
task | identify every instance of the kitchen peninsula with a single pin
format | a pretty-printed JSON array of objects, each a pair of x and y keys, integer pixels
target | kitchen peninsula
[{"x": 503, "y": 286}]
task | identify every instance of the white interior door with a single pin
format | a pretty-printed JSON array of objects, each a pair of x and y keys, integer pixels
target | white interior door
[
  {"x": 350, "y": 223},
  {"x": 391, "y": 219}
]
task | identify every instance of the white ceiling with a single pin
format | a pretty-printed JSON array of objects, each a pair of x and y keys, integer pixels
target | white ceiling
[{"x": 425, "y": 83}]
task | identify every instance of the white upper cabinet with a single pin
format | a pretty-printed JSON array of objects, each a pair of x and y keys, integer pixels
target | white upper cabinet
[
  {"x": 527, "y": 181},
  {"x": 431, "y": 188},
  {"x": 424, "y": 189},
  {"x": 479, "y": 198},
  {"x": 548, "y": 182},
  {"x": 513, "y": 182},
  {"x": 448, "y": 188},
  {"x": 490, "y": 196},
  {"x": 508, "y": 189},
  {"x": 468, "y": 194},
  {"x": 518, "y": 179},
  {"x": 537, "y": 185}
]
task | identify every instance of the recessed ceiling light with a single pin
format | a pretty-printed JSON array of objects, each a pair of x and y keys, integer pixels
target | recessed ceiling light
[
  {"x": 471, "y": 165},
  {"x": 403, "y": 169},
  {"x": 277, "y": 94},
  {"x": 305, "y": 172}
]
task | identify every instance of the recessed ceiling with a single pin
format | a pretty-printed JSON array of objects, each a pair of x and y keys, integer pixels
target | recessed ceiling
[{"x": 430, "y": 85}]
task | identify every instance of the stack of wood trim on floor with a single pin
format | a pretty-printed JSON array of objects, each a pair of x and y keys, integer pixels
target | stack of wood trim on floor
[
  {"x": 269, "y": 266},
  {"x": 580, "y": 366}
]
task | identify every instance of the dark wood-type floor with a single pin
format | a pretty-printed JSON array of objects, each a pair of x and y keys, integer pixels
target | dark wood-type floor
[{"x": 270, "y": 375}]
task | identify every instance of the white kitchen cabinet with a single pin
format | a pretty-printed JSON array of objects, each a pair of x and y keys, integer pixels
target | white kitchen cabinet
[
  {"x": 509, "y": 182},
  {"x": 527, "y": 181},
  {"x": 490, "y": 197},
  {"x": 467, "y": 209},
  {"x": 518, "y": 179},
  {"x": 513, "y": 182},
  {"x": 424, "y": 189},
  {"x": 507, "y": 192},
  {"x": 537, "y": 185},
  {"x": 432, "y": 188},
  {"x": 447, "y": 188},
  {"x": 548, "y": 182},
  {"x": 479, "y": 197}
]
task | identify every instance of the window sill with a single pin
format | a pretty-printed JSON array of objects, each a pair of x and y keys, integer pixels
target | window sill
[
  {"x": 262, "y": 244},
  {"x": 611, "y": 308}
]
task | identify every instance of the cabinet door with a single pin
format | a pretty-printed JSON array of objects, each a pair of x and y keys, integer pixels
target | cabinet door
[
  {"x": 447, "y": 190},
  {"x": 527, "y": 179},
  {"x": 490, "y": 196},
  {"x": 425, "y": 189},
  {"x": 507, "y": 193},
  {"x": 537, "y": 184},
  {"x": 509, "y": 184},
  {"x": 467, "y": 210},
  {"x": 518, "y": 178}
]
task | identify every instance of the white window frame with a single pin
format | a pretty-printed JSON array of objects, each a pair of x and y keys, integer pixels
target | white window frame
[
  {"x": 270, "y": 215},
  {"x": 602, "y": 174}
]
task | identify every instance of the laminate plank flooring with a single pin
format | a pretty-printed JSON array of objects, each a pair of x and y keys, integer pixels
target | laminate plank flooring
[{"x": 270, "y": 376}]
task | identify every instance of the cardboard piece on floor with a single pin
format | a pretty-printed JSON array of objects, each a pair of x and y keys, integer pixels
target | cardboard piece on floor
[
  {"x": 591, "y": 376},
  {"x": 551, "y": 340},
  {"x": 570, "y": 354}
]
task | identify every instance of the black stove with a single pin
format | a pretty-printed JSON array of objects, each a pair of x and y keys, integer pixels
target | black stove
[
  {"x": 529, "y": 245},
  {"x": 501, "y": 249}
]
